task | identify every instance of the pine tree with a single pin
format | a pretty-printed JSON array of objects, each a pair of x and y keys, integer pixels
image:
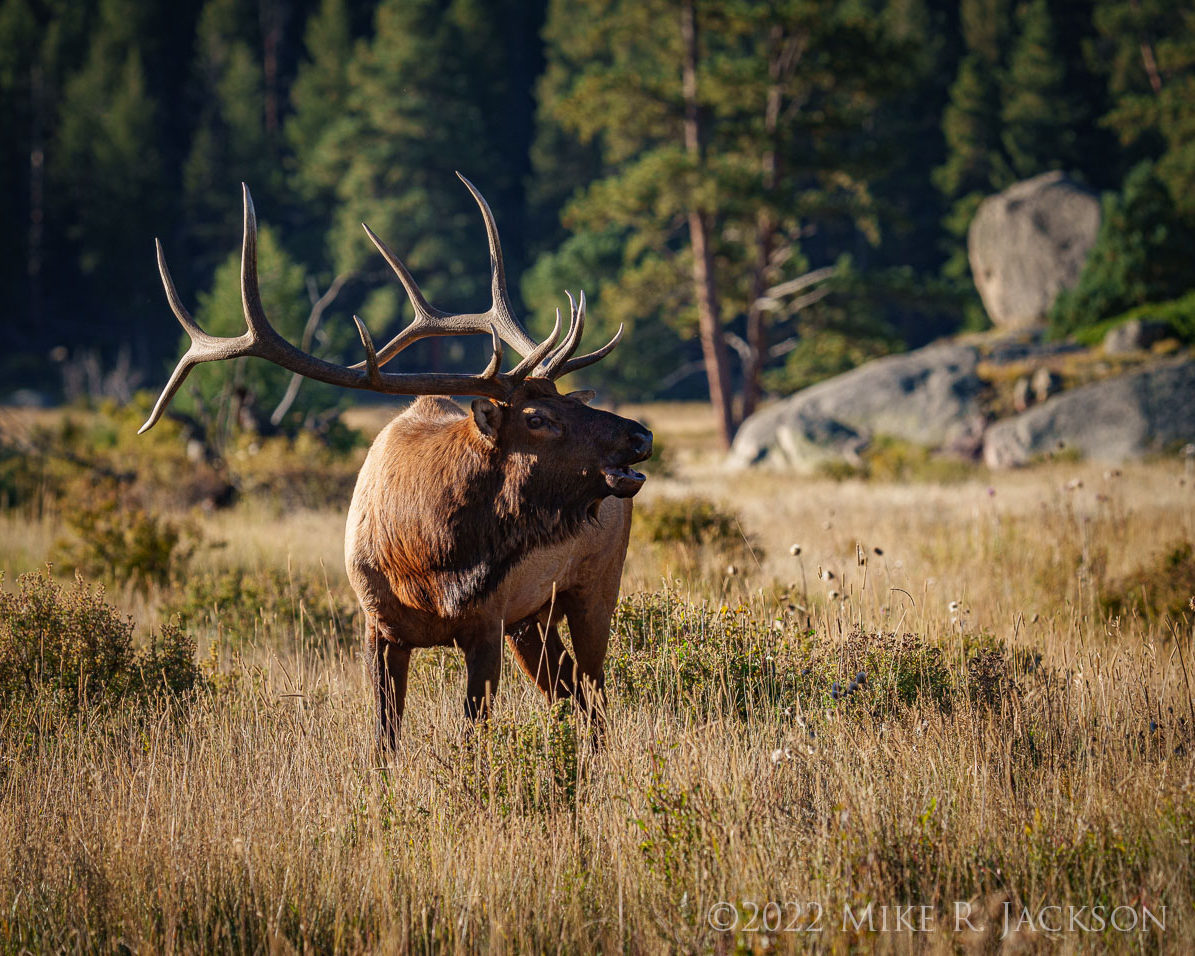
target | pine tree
[
  {"x": 319, "y": 101},
  {"x": 1040, "y": 123},
  {"x": 1143, "y": 254},
  {"x": 1149, "y": 46},
  {"x": 723, "y": 133},
  {"x": 229, "y": 144},
  {"x": 971, "y": 121},
  {"x": 20, "y": 159},
  {"x": 411, "y": 121},
  {"x": 106, "y": 163}
]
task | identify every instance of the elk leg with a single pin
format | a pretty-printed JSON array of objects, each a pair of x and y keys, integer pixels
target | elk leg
[
  {"x": 536, "y": 644},
  {"x": 389, "y": 663},
  {"x": 483, "y": 666},
  {"x": 589, "y": 626}
]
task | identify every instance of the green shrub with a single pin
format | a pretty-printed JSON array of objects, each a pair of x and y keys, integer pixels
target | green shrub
[
  {"x": 1163, "y": 588},
  {"x": 894, "y": 459},
  {"x": 1143, "y": 254},
  {"x": 238, "y": 605},
  {"x": 117, "y": 540},
  {"x": 1178, "y": 314},
  {"x": 529, "y": 764},
  {"x": 694, "y": 535},
  {"x": 71, "y": 645},
  {"x": 697, "y": 660}
]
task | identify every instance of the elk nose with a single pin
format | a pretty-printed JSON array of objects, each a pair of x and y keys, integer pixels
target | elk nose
[{"x": 641, "y": 445}]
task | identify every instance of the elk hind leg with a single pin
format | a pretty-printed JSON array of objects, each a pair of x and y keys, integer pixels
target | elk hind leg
[
  {"x": 589, "y": 618},
  {"x": 536, "y": 644},
  {"x": 388, "y": 664},
  {"x": 483, "y": 667}
]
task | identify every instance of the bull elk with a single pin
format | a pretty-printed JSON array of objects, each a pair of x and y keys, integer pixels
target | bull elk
[{"x": 469, "y": 527}]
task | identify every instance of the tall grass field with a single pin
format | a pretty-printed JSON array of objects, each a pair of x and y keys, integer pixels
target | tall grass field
[{"x": 952, "y": 712}]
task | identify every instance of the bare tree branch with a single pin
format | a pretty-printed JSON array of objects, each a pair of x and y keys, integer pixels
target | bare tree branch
[
  {"x": 679, "y": 375},
  {"x": 319, "y": 305},
  {"x": 770, "y": 300}
]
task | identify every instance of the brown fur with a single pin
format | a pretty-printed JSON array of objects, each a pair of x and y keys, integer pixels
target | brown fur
[{"x": 462, "y": 531}]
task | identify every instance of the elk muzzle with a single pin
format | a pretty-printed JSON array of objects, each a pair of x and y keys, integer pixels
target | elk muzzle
[{"x": 622, "y": 480}]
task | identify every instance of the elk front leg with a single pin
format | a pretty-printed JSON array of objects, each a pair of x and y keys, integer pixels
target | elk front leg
[
  {"x": 388, "y": 664},
  {"x": 536, "y": 644},
  {"x": 483, "y": 667}
]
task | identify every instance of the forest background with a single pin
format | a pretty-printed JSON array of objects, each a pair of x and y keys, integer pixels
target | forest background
[{"x": 765, "y": 193}]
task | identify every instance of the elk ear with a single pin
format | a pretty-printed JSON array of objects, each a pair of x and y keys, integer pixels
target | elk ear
[
  {"x": 584, "y": 396},
  {"x": 487, "y": 416}
]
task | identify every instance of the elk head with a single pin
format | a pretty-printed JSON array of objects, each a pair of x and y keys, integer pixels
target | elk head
[{"x": 520, "y": 414}]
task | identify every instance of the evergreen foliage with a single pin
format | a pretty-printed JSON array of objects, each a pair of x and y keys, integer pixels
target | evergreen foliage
[
  {"x": 812, "y": 130},
  {"x": 1143, "y": 253}
]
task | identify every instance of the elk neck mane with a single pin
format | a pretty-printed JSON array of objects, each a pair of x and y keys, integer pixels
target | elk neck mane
[{"x": 446, "y": 545}]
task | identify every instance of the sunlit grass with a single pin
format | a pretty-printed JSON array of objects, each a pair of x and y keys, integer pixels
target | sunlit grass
[{"x": 1008, "y": 741}]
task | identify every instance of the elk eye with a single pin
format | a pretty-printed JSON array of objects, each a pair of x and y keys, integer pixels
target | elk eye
[{"x": 535, "y": 421}]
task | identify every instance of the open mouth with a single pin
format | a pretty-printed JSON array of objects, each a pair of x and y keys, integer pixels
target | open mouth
[{"x": 623, "y": 480}]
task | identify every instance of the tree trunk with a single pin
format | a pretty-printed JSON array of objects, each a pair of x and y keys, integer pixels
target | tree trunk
[
  {"x": 782, "y": 55},
  {"x": 713, "y": 344}
]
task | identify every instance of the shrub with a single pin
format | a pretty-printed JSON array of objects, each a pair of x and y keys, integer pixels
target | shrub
[
  {"x": 238, "y": 605},
  {"x": 120, "y": 541},
  {"x": 529, "y": 764},
  {"x": 1178, "y": 314},
  {"x": 695, "y": 534},
  {"x": 1165, "y": 587},
  {"x": 894, "y": 459},
  {"x": 74, "y": 647},
  {"x": 696, "y": 659},
  {"x": 1142, "y": 254}
]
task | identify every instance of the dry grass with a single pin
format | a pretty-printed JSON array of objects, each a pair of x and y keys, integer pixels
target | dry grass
[{"x": 1009, "y": 744}]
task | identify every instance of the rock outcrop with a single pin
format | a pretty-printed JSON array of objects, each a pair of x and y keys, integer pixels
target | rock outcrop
[
  {"x": 928, "y": 397},
  {"x": 1027, "y": 244},
  {"x": 1134, "y": 336},
  {"x": 1116, "y": 419}
]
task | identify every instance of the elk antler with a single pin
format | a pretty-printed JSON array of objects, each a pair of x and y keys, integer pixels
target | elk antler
[
  {"x": 261, "y": 340},
  {"x": 500, "y": 315}
]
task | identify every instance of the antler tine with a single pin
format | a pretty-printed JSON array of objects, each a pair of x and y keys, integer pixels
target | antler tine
[
  {"x": 491, "y": 370},
  {"x": 202, "y": 348},
  {"x": 583, "y": 360},
  {"x": 499, "y": 298},
  {"x": 560, "y": 364},
  {"x": 523, "y": 369},
  {"x": 576, "y": 325},
  {"x": 371, "y": 355}
]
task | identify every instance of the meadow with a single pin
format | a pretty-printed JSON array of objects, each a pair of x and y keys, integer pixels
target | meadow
[{"x": 960, "y": 698}]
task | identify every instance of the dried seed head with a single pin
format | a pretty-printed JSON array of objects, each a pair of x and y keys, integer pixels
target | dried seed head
[
  {"x": 833, "y": 594},
  {"x": 878, "y": 551},
  {"x": 794, "y": 549},
  {"x": 732, "y": 570},
  {"x": 826, "y": 575},
  {"x": 860, "y": 557}
]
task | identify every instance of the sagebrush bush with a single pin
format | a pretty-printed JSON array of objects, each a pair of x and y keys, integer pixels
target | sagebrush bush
[
  {"x": 528, "y": 764},
  {"x": 239, "y": 605},
  {"x": 1162, "y": 588},
  {"x": 72, "y": 646},
  {"x": 115, "y": 539},
  {"x": 694, "y": 658},
  {"x": 696, "y": 536}
]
